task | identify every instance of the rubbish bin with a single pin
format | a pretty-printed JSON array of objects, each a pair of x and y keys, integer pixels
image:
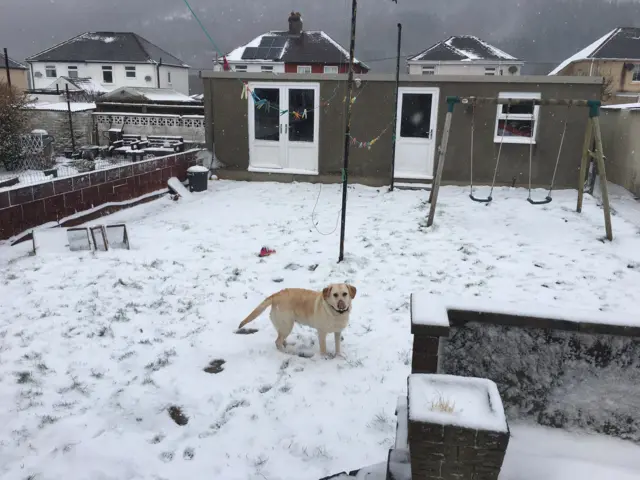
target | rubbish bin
[{"x": 198, "y": 177}]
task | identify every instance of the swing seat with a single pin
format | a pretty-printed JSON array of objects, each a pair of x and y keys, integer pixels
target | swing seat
[
  {"x": 539, "y": 202},
  {"x": 481, "y": 200}
]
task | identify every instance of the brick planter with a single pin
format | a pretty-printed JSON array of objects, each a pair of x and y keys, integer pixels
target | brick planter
[
  {"x": 428, "y": 325},
  {"x": 466, "y": 444}
]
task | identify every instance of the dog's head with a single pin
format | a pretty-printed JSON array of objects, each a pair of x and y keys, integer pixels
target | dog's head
[{"x": 339, "y": 296}]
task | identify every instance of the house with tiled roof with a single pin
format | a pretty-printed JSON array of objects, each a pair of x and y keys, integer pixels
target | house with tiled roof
[
  {"x": 614, "y": 56},
  {"x": 110, "y": 60},
  {"x": 17, "y": 73},
  {"x": 463, "y": 55},
  {"x": 294, "y": 50}
]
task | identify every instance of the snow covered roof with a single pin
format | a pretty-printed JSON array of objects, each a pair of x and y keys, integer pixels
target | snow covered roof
[
  {"x": 62, "y": 106},
  {"x": 146, "y": 94},
  {"x": 12, "y": 63},
  {"x": 461, "y": 48},
  {"x": 619, "y": 44},
  {"x": 309, "y": 47},
  {"x": 79, "y": 84},
  {"x": 107, "y": 47},
  {"x": 623, "y": 106},
  {"x": 198, "y": 97}
]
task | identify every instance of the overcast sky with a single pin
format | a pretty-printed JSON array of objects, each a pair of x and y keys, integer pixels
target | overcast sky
[{"x": 534, "y": 30}]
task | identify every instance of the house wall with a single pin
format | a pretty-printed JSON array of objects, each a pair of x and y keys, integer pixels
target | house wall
[
  {"x": 317, "y": 68},
  {"x": 252, "y": 67},
  {"x": 373, "y": 113},
  {"x": 620, "y": 79},
  {"x": 621, "y": 145},
  {"x": 27, "y": 207},
  {"x": 179, "y": 76},
  {"x": 19, "y": 77},
  {"x": 461, "y": 68},
  {"x": 57, "y": 124}
]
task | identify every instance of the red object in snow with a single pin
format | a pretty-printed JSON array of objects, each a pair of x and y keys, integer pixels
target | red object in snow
[
  {"x": 266, "y": 251},
  {"x": 225, "y": 65}
]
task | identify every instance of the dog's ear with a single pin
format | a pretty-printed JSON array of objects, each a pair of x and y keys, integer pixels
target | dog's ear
[
  {"x": 352, "y": 290},
  {"x": 326, "y": 292}
]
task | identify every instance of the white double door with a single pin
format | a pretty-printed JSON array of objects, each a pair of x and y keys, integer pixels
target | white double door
[
  {"x": 284, "y": 127},
  {"x": 416, "y": 132}
]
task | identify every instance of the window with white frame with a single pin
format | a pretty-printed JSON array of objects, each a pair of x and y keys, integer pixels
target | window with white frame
[
  {"x": 636, "y": 73},
  {"x": 72, "y": 71},
  {"x": 304, "y": 68},
  {"x": 490, "y": 71},
  {"x": 50, "y": 71},
  {"x": 130, "y": 72},
  {"x": 429, "y": 70},
  {"x": 517, "y": 122},
  {"x": 266, "y": 68},
  {"x": 330, "y": 69},
  {"x": 241, "y": 68},
  {"x": 107, "y": 74}
]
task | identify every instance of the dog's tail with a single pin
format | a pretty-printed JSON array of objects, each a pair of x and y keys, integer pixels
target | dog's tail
[{"x": 258, "y": 310}]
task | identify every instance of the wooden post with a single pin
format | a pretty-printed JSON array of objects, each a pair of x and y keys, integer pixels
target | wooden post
[
  {"x": 73, "y": 139},
  {"x": 604, "y": 187},
  {"x": 588, "y": 137},
  {"x": 435, "y": 188},
  {"x": 395, "y": 109},
  {"x": 7, "y": 69}
]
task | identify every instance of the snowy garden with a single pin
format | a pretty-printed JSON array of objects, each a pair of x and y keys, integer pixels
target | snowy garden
[{"x": 127, "y": 364}]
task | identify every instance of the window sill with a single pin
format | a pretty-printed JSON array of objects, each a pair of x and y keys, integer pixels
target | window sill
[{"x": 516, "y": 140}]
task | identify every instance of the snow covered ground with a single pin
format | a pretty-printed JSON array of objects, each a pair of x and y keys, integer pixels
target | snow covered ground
[{"x": 94, "y": 348}]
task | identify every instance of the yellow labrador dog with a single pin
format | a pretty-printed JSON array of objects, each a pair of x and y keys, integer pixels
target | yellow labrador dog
[{"x": 326, "y": 311}]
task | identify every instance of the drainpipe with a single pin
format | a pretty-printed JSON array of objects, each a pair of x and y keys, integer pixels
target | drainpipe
[
  {"x": 158, "y": 72},
  {"x": 6, "y": 66}
]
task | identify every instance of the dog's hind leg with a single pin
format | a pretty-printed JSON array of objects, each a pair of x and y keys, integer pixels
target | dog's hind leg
[{"x": 283, "y": 325}]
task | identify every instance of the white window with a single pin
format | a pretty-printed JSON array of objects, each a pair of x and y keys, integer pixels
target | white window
[
  {"x": 304, "y": 68},
  {"x": 429, "y": 70},
  {"x": 72, "y": 71},
  {"x": 330, "y": 69},
  {"x": 130, "y": 72},
  {"x": 517, "y": 122},
  {"x": 266, "y": 68},
  {"x": 636, "y": 74},
  {"x": 169, "y": 78},
  {"x": 107, "y": 74},
  {"x": 490, "y": 71},
  {"x": 51, "y": 71},
  {"x": 241, "y": 68}
]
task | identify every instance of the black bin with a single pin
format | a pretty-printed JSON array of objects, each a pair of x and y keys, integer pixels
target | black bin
[{"x": 198, "y": 177}]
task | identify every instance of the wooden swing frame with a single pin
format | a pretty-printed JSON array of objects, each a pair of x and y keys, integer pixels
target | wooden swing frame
[{"x": 592, "y": 131}]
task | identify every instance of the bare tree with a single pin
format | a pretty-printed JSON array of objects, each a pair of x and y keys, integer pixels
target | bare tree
[{"x": 13, "y": 124}]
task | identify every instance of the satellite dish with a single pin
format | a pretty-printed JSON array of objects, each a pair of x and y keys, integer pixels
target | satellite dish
[
  {"x": 38, "y": 74},
  {"x": 513, "y": 69},
  {"x": 148, "y": 78}
]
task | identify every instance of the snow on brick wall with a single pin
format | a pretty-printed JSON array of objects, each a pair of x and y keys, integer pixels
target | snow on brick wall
[{"x": 556, "y": 378}]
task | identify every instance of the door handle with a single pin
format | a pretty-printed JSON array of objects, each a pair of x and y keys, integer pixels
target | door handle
[
  {"x": 286, "y": 128},
  {"x": 280, "y": 128},
  {"x": 431, "y": 134}
]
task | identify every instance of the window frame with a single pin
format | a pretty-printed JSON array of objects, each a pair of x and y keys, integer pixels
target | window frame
[
  {"x": 48, "y": 68},
  {"x": 266, "y": 68},
  {"x": 301, "y": 69},
  {"x": 129, "y": 69},
  {"x": 72, "y": 71},
  {"x": 334, "y": 69},
  {"x": 635, "y": 74},
  {"x": 534, "y": 117},
  {"x": 431, "y": 68},
  {"x": 107, "y": 68},
  {"x": 491, "y": 71},
  {"x": 242, "y": 68}
]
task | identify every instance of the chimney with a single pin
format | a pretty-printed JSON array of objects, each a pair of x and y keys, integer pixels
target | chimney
[{"x": 295, "y": 23}]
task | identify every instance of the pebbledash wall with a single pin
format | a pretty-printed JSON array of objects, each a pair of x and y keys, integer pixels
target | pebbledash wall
[
  {"x": 24, "y": 208},
  {"x": 555, "y": 372},
  {"x": 189, "y": 127}
]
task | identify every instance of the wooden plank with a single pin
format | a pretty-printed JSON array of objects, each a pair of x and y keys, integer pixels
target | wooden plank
[
  {"x": 588, "y": 136},
  {"x": 436, "y": 182},
  {"x": 603, "y": 178},
  {"x": 523, "y": 101}
]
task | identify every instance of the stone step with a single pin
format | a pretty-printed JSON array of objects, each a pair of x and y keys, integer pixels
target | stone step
[
  {"x": 412, "y": 186},
  {"x": 398, "y": 464}
]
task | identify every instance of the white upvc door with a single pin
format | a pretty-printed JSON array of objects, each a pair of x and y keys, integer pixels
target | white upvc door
[
  {"x": 416, "y": 132},
  {"x": 284, "y": 129}
]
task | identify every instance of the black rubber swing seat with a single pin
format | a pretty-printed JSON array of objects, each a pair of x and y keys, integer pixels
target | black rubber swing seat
[
  {"x": 481, "y": 200},
  {"x": 539, "y": 202}
]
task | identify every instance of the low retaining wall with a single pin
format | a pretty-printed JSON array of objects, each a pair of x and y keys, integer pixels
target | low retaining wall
[
  {"x": 189, "y": 127},
  {"x": 578, "y": 370},
  {"x": 28, "y": 207}
]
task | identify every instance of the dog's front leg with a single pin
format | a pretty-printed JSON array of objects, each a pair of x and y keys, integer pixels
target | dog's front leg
[
  {"x": 338, "y": 337},
  {"x": 322, "y": 339}
]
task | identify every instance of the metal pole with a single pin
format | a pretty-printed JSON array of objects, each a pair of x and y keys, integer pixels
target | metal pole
[
  {"x": 6, "y": 66},
  {"x": 395, "y": 108},
  {"x": 73, "y": 140},
  {"x": 158, "y": 72},
  {"x": 347, "y": 131}
]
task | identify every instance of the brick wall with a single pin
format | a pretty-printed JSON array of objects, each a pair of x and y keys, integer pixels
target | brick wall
[
  {"x": 27, "y": 207},
  {"x": 57, "y": 124}
]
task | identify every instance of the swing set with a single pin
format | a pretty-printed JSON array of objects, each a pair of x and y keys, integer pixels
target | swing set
[{"x": 592, "y": 132}]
